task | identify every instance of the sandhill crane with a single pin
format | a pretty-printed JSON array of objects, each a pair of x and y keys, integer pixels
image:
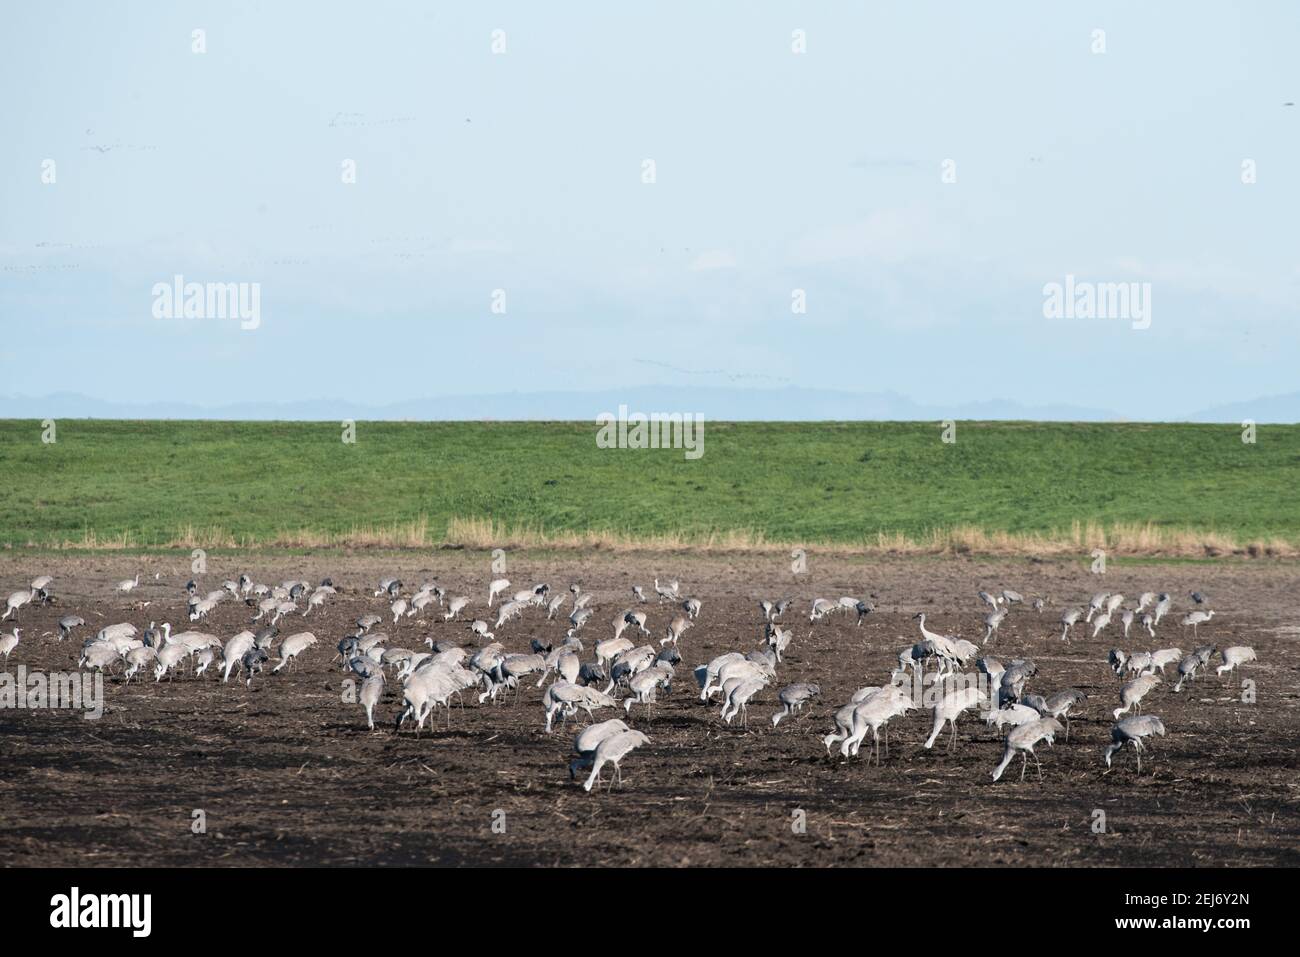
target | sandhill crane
[
  {"x": 1127, "y": 620},
  {"x": 203, "y": 658},
  {"x": 565, "y": 698},
  {"x": 992, "y": 621},
  {"x": 588, "y": 740},
  {"x": 420, "y": 602},
  {"x": 1235, "y": 656},
  {"x": 1196, "y": 619},
  {"x": 1039, "y": 605},
  {"x": 555, "y": 604},
  {"x": 636, "y": 618},
  {"x": 67, "y": 623},
  {"x": 1011, "y": 685},
  {"x": 1163, "y": 604},
  {"x": 567, "y": 664},
  {"x": 863, "y": 608},
  {"x": 1148, "y": 621},
  {"x": 265, "y": 636},
  {"x": 292, "y": 647},
  {"x": 372, "y": 690},
  {"x": 992, "y": 668},
  {"x": 454, "y": 607},
  {"x": 398, "y": 608},
  {"x": 235, "y": 650},
  {"x": 253, "y": 661},
  {"x": 1144, "y": 601},
  {"x": 666, "y": 592},
  {"x": 628, "y": 663},
  {"x": 316, "y": 600},
  {"x": 692, "y": 608},
  {"x": 1113, "y": 602},
  {"x": 766, "y": 607},
  {"x": 200, "y": 609},
  {"x": 507, "y": 611},
  {"x": 136, "y": 659},
  {"x": 707, "y": 674},
  {"x": 16, "y": 601},
  {"x": 1165, "y": 656},
  {"x": 1100, "y": 623},
  {"x": 1012, "y": 597},
  {"x": 990, "y": 600},
  {"x": 1061, "y": 704},
  {"x": 821, "y": 607},
  {"x": 577, "y": 619},
  {"x": 1022, "y": 740},
  {"x": 129, "y": 583},
  {"x": 610, "y": 648},
  {"x": 1187, "y": 669},
  {"x": 644, "y": 686},
  {"x": 1133, "y": 730},
  {"x": 612, "y": 750},
  {"x": 1095, "y": 605},
  {"x": 168, "y": 657},
  {"x": 99, "y": 655},
  {"x": 676, "y": 628},
  {"x": 1131, "y": 695},
  {"x": 793, "y": 698},
  {"x": 875, "y": 710},
  {"x": 949, "y": 708},
  {"x": 496, "y": 587},
  {"x": 778, "y": 639},
  {"x": 1013, "y": 715},
  {"x": 1069, "y": 620},
  {"x": 1140, "y": 662},
  {"x": 368, "y": 621},
  {"x": 7, "y": 644},
  {"x": 738, "y": 692},
  {"x": 40, "y": 586},
  {"x": 740, "y": 669},
  {"x": 639, "y": 595}
]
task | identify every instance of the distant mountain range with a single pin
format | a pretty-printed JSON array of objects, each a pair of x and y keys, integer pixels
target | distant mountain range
[{"x": 718, "y": 404}]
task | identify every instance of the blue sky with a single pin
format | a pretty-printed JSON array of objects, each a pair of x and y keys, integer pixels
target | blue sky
[{"x": 522, "y": 171}]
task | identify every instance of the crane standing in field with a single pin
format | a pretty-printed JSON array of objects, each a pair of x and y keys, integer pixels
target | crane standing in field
[
  {"x": 1234, "y": 657},
  {"x": 1131, "y": 695},
  {"x": 612, "y": 750},
  {"x": 1132, "y": 730},
  {"x": 1068, "y": 621},
  {"x": 1022, "y": 740}
]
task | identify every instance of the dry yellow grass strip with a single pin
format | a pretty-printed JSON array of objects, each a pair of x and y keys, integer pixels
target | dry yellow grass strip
[{"x": 1081, "y": 538}]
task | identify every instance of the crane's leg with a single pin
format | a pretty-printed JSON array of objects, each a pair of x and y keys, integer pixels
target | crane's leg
[
  {"x": 1024, "y": 763},
  {"x": 1038, "y": 765}
]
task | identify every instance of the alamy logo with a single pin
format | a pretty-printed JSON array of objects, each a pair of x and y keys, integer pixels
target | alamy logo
[
  {"x": 658, "y": 430},
  {"x": 1098, "y": 300},
  {"x": 208, "y": 300},
  {"x": 54, "y": 690},
  {"x": 103, "y": 910}
]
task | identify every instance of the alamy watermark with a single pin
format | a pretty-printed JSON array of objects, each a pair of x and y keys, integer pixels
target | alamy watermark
[
  {"x": 54, "y": 691},
  {"x": 1098, "y": 300},
  {"x": 658, "y": 430},
  {"x": 208, "y": 300}
]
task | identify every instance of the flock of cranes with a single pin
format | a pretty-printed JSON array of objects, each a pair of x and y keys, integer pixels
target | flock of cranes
[{"x": 945, "y": 676}]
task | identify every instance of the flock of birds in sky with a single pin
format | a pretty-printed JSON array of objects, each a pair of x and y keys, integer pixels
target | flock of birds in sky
[{"x": 622, "y": 674}]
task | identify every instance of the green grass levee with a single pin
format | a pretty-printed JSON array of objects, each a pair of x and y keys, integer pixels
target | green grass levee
[{"x": 836, "y": 484}]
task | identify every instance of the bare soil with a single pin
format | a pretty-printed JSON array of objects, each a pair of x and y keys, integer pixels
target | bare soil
[{"x": 288, "y": 774}]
